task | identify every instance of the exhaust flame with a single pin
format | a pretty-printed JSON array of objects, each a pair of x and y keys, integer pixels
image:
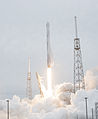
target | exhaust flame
[{"x": 49, "y": 82}]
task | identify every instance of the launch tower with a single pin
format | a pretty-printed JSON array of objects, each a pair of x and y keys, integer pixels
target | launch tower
[
  {"x": 78, "y": 66},
  {"x": 29, "y": 82}
]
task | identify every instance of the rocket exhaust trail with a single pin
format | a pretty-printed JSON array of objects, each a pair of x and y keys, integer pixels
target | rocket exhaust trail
[
  {"x": 39, "y": 84},
  {"x": 49, "y": 82}
]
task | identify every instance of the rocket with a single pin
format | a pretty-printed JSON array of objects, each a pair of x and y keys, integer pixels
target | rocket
[{"x": 49, "y": 52}]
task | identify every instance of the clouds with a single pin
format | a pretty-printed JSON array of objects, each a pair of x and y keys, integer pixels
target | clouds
[
  {"x": 91, "y": 78},
  {"x": 50, "y": 108}
]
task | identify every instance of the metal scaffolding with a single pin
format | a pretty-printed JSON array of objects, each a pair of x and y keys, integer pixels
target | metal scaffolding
[
  {"x": 29, "y": 83},
  {"x": 78, "y": 66}
]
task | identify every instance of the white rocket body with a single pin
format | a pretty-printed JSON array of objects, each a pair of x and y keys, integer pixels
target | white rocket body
[{"x": 49, "y": 52}]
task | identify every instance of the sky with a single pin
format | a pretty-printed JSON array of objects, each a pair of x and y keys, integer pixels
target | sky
[{"x": 23, "y": 34}]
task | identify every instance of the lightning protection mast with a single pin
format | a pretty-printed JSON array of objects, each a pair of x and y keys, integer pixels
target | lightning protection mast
[{"x": 29, "y": 82}]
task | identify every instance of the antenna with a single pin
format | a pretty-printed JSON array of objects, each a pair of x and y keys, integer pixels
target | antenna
[
  {"x": 76, "y": 33},
  {"x": 29, "y": 65}
]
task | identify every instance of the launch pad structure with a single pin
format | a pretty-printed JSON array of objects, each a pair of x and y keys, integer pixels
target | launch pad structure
[
  {"x": 29, "y": 82},
  {"x": 79, "y": 82}
]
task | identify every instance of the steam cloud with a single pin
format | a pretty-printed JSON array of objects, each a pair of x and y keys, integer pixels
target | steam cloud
[
  {"x": 91, "y": 78},
  {"x": 64, "y": 104}
]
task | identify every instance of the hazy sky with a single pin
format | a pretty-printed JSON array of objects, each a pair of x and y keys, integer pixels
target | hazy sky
[{"x": 23, "y": 34}]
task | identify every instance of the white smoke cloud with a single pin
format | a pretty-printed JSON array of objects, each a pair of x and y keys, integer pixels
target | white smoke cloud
[
  {"x": 63, "y": 92},
  {"x": 91, "y": 78},
  {"x": 78, "y": 102},
  {"x": 49, "y": 108},
  {"x": 63, "y": 105}
]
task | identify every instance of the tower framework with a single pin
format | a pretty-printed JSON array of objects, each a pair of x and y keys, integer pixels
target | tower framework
[
  {"x": 96, "y": 110},
  {"x": 29, "y": 83},
  {"x": 78, "y": 66}
]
